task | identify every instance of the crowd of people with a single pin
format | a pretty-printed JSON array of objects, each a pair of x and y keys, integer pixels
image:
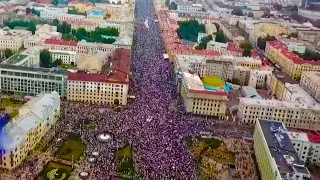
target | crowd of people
[{"x": 155, "y": 124}]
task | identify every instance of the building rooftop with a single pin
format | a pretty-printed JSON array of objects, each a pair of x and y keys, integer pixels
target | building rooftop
[
  {"x": 15, "y": 58},
  {"x": 60, "y": 42},
  {"x": 299, "y": 95},
  {"x": 290, "y": 55},
  {"x": 280, "y": 104},
  {"x": 250, "y": 92},
  {"x": 284, "y": 78},
  {"x": 282, "y": 150},
  {"x": 32, "y": 69},
  {"x": 314, "y": 76},
  {"x": 298, "y": 136}
]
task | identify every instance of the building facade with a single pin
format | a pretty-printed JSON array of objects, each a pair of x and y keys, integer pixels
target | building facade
[
  {"x": 275, "y": 154},
  {"x": 67, "y": 57},
  {"x": 31, "y": 81},
  {"x": 25, "y": 131},
  {"x": 310, "y": 81}
]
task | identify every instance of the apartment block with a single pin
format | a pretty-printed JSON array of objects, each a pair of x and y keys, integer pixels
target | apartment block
[
  {"x": 310, "y": 81},
  {"x": 110, "y": 85},
  {"x": 199, "y": 100},
  {"x": 307, "y": 145},
  {"x": 61, "y": 16},
  {"x": 26, "y": 129},
  {"x": 30, "y": 80},
  {"x": 13, "y": 38},
  {"x": 278, "y": 83},
  {"x": 260, "y": 78},
  {"x": 189, "y": 7},
  {"x": 291, "y": 63},
  {"x": 276, "y": 157},
  {"x": 67, "y": 57}
]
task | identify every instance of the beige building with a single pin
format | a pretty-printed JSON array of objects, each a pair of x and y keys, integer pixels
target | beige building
[
  {"x": 199, "y": 100},
  {"x": 110, "y": 85},
  {"x": 278, "y": 83},
  {"x": 26, "y": 129},
  {"x": 13, "y": 38},
  {"x": 310, "y": 81},
  {"x": 67, "y": 57}
]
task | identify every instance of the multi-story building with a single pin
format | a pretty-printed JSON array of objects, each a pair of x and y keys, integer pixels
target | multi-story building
[
  {"x": 31, "y": 81},
  {"x": 42, "y": 33},
  {"x": 61, "y": 16},
  {"x": 67, "y": 57},
  {"x": 310, "y": 81},
  {"x": 221, "y": 7},
  {"x": 56, "y": 44},
  {"x": 81, "y": 7},
  {"x": 199, "y": 100},
  {"x": 189, "y": 7},
  {"x": 118, "y": 12},
  {"x": 309, "y": 13},
  {"x": 291, "y": 63},
  {"x": 278, "y": 83},
  {"x": 97, "y": 14},
  {"x": 51, "y": 8},
  {"x": 216, "y": 46},
  {"x": 276, "y": 157},
  {"x": 230, "y": 18},
  {"x": 110, "y": 85},
  {"x": 307, "y": 146},
  {"x": 232, "y": 32},
  {"x": 259, "y": 78},
  {"x": 13, "y": 38},
  {"x": 262, "y": 29},
  {"x": 310, "y": 36},
  {"x": 26, "y": 129},
  {"x": 299, "y": 113},
  {"x": 294, "y": 45},
  {"x": 29, "y": 58},
  {"x": 250, "y": 92}
]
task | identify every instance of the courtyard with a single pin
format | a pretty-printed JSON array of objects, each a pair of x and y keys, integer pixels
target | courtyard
[
  {"x": 72, "y": 148},
  {"x": 124, "y": 162},
  {"x": 10, "y": 106}
]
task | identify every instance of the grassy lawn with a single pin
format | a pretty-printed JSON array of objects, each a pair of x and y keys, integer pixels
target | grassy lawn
[
  {"x": 15, "y": 58},
  {"x": 125, "y": 162},
  {"x": 72, "y": 148},
  {"x": 56, "y": 171}
]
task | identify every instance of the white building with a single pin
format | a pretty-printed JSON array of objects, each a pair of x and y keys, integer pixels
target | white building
[
  {"x": 67, "y": 57},
  {"x": 298, "y": 114},
  {"x": 259, "y": 78},
  {"x": 308, "y": 13},
  {"x": 61, "y": 16},
  {"x": 25, "y": 131},
  {"x": 307, "y": 146},
  {"x": 230, "y": 18},
  {"x": 216, "y": 46},
  {"x": 51, "y": 8},
  {"x": 189, "y": 7},
  {"x": 310, "y": 81},
  {"x": 31, "y": 81},
  {"x": 294, "y": 45}
]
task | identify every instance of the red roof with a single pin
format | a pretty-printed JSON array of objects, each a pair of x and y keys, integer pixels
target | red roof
[
  {"x": 315, "y": 138},
  {"x": 103, "y": 78},
  {"x": 60, "y": 42},
  {"x": 290, "y": 55}
]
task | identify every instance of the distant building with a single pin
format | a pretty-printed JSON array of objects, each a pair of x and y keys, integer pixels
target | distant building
[
  {"x": 294, "y": 45},
  {"x": 31, "y": 81},
  {"x": 189, "y": 7},
  {"x": 109, "y": 85},
  {"x": 81, "y": 7},
  {"x": 310, "y": 81},
  {"x": 25, "y": 131},
  {"x": 250, "y": 92},
  {"x": 276, "y": 157},
  {"x": 67, "y": 57}
]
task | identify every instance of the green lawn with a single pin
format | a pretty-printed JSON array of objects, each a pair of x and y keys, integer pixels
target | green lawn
[
  {"x": 56, "y": 170},
  {"x": 72, "y": 148},
  {"x": 125, "y": 162}
]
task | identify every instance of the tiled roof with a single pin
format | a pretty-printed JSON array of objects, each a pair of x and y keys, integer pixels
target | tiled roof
[
  {"x": 60, "y": 42},
  {"x": 315, "y": 138},
  {"x": 290, "y": 55}
]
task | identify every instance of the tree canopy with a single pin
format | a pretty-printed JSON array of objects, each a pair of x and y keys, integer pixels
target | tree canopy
[
  {"x": 246, "y": 52},
  {"x": 246, "y": 46},
  {"x": 189, "y": 30},
  {"x": 308, "y": 55},
  {"x": 172, "y": 5},
  {"x": 220, "y": 37},
  {"x": 45, "y": 59},
  {"x": 30, "y": 25},
  {"x": 237, "y": 11},
  {"x": 263, "y": 41},
  {"x": 92, "y": 36},
  {"x": 35, "y": 12},
  {"x": 204, "y": 42},
  {"x": 250, "y": 14},
  {"x": 7, "y": 53}
]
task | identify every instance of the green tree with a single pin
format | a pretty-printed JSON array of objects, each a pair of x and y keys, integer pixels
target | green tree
[
  {"x": 69, "y": 37},
  {"x": 217, "y": 25},
  {"x": 250, "y": 14},
  {"x": 7, "y": 53},
  {"x": 246, "y": 46},
  {"x": 189, "y": 30},
  {"x": 108, "y": 40},
  {"x": 220, "y": 37},
  {"x": 66, "y": 27},
  {"x": 237, "y": 11},
  {"x": 45, "y": 58},
  {"x": 204, "y": 42},
  {"x": 246, "y": 52},
  {"x": 58, "y": 62},
  {"x": 35, "y": 12}
]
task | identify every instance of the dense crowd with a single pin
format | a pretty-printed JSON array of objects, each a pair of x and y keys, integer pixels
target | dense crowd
[{"x": 155, "y": 124}]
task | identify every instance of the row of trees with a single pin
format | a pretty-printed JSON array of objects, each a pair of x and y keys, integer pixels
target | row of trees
[
  {"x": 247, "y": 47},
  {"x": 30, "y": 25},
  {"x": 46, "y": 61},
  {"x": 188, "y": 30},
  {"x": 92, "y": 36}
]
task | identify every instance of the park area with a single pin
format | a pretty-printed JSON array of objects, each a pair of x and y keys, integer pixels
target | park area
[
  {"x": 72, "y": 148},
  {"x": 125, "y": 163},
  {"x": 56, "y": 171},
  {"x": 10, "y": 106},
  {"x": 212, "y": 157}
]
